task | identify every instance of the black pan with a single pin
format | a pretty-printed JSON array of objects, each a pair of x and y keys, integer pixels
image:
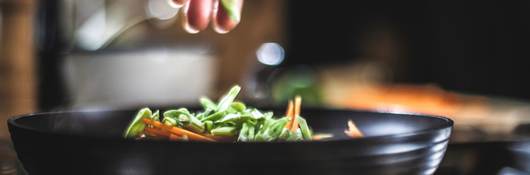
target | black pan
[{"x": 90, "y": 143}]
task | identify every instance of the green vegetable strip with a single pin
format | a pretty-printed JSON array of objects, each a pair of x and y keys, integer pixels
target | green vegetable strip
[
  {"x": 214, "y": 116},
  {"x": 304, "y": 128},
  {"x": 174, "y": 118},
  {"x": 243, "y": 134},
  {"x": 156, "y": 116},
  {"x": 195, "y": 125},
  {"x": 238, "y": 106},
  {"x": 276, "y": 129},
  {"x": 256, "y": 114},
  {"x": 226, "y": 131},
  {"x": 295, "y": 136},
  {"x": 208, "y": 125},
  {"x": 184, "y": 119},
  {"x": 227, "y": 100},
  {"x": 284, "y": 134},
  {"x": 137, "y": 125},
  {"x": 170, "y": 121},
  {"x": 204, "y": 114},
  {"x": 208, "y": 104},
  {"x": 229, "y": 118},
  {"x": 230, "y": 7},
  {"x": 176, "y": 113},
  {"x": 250, "y": 132}
]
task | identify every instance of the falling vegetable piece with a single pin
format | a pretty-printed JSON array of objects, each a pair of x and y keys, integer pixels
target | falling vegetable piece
[{"x": 353, "y": 131}]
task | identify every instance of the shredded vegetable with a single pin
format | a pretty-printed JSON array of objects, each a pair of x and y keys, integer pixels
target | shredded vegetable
[{"x": 228, "y": 120}]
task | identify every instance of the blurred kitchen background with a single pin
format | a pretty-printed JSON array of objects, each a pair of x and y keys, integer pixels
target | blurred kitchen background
[{"x": 462, "y": 59}]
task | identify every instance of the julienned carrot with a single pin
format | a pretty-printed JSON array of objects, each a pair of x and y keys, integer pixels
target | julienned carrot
[
  {"x": 191, "y": 135},
  {"x": 297, "y": 105},
  {"x": 353, "y": 131},
  {"x": 289, "y": 113},
  {"x": 290, "y": 109},
  {"x": 292, "y": 112},
  {"x": 178, "y": 131},
  {"x": 156, "y": 132},
  {"x": 322, "y": 136},
  {"x": 174, "y": 137}
]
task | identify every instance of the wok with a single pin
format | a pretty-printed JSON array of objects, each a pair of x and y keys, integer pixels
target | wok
[{"x": 90, "y": 142}]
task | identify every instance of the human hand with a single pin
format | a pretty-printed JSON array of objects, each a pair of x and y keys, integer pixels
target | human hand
[{"x": 223, "y": 14}]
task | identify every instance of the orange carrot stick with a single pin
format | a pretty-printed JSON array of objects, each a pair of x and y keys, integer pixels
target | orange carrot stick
[
  {"x": 191, "y": 135},
  {"x": 353, "y": 131},
  {"x": 289, "y": 108},
  {"x": 322, "y": 136},
  {"x": 174, "y": 137},
  {"x": 289, "y": 113},
  {"x": 156, "y": 132},
  {"x": 297, "y": 106},
  {"x": 178, "y": 131}
]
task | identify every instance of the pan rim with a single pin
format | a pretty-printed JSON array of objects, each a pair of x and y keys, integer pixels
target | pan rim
[{"x": 447, "y": 124}]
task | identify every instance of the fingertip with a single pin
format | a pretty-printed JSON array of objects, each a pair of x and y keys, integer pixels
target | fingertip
[
  {"x": 224, "y": 28},
  {"x": 185, "y": 22},
  {"x": 189, "y": 28},
  {"x": 197, "y": 15},
  {"x": 223, "y": 20}
]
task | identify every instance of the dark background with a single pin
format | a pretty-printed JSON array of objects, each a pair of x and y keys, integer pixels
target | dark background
[{"x": 469, "y": 46}]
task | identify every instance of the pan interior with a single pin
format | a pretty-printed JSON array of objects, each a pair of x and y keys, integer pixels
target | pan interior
[{"x": 113, "y": 123}]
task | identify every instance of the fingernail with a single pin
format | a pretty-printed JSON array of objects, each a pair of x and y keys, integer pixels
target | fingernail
[
  {"x": 198, "y": 13},
  {"x": 185, "y": 24},
  {"x": 227, "y": 15}
]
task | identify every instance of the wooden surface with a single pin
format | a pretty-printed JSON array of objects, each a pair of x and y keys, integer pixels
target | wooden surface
[{"x": 17, "y": 80}]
